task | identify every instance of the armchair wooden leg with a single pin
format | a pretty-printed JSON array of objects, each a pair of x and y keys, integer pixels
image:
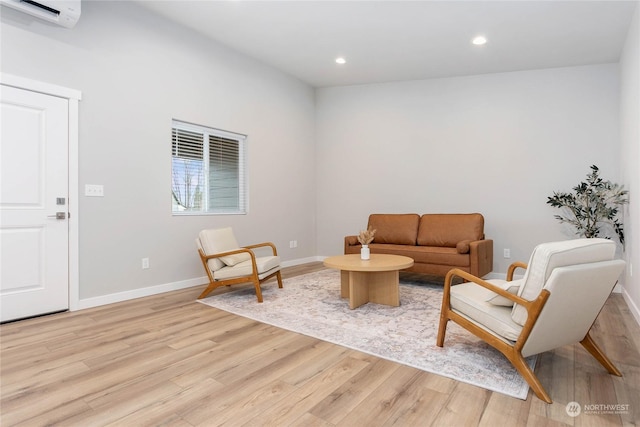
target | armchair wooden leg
[
  {"x": 445, "y": 309},
  {"x": 279, "y": 277},
  {"x": 206, "y": 292},
  {"x": 520, "y": 364},
  {"x": 589, "y": 344},
  {"x": 442, "y": 329},
  {"x": 256, "y": 284}
]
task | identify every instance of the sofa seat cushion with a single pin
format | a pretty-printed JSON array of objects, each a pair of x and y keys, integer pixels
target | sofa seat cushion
[
  {"x": 425, "y": 254},
  {"x": 266, "y": 265},
  {"x": 449, "y": 229},
  {"x": 470, "y": 300},
  {"x": 399, "y": 229}
]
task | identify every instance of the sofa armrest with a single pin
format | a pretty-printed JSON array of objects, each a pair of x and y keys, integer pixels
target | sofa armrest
[
  {"x": 481, "y": 257},
  {"x": 349, "y": 242}
]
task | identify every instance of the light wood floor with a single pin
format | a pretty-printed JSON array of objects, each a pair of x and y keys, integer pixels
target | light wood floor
[{"x": 168, "y": 360}]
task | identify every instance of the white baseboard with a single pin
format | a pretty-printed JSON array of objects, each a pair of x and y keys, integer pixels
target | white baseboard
[
  {"x": 301, "y": 261},
  {"x": 166, "y": 287},
  {"x": 633, "y": 308},
  {"x": 139, "y": 293}
]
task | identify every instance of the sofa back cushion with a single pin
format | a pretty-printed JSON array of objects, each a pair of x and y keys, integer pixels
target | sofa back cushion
[
  {"x": 449, "y": 229},
  {"x": 398, "y": 229}
]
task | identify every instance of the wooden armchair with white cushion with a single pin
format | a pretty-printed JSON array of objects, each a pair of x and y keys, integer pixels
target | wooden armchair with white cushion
[
  {"x": 556, "y": 303},
  {"x": 226, "y": 263}
]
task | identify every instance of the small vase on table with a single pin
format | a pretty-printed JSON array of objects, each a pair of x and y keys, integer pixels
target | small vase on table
[
  {"x": 365, "y": 237},
  {"x": 365, "y": 253}
]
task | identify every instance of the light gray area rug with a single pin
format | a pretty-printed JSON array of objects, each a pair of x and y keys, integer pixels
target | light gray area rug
[{"x": 311, "y": 305}]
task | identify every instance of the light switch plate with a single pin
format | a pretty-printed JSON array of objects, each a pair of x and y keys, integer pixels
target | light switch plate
[{"x": 92, "y": 190}]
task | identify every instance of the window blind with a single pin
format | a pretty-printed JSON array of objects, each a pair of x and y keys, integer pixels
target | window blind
[{"x": 207, "y": 177}]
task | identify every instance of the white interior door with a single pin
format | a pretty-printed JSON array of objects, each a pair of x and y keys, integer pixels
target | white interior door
[{"x": 34, "y": 225}]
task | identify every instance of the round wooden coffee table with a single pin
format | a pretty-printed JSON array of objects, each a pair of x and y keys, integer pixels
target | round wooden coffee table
[{"x": 374, "y": 280}]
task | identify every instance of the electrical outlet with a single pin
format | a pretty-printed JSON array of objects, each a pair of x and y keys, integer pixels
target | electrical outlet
[
  {"x": 91, "y": 190},
  {"x": 293, "y": 244},
  {"x": 145, "y": 263},
  {"x": 507, "y": 253}
]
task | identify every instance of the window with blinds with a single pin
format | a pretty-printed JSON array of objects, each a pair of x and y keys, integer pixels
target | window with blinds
[{"x": 207, "y": 170}]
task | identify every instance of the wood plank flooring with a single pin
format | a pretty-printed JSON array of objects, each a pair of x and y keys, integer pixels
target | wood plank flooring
[{"x": 167, "y": 360}]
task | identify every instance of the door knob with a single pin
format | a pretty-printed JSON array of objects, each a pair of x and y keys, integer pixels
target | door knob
[{"x": 58, "y": 215}]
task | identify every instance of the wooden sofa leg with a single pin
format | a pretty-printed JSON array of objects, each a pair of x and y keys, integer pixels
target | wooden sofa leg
[{"x": 589, "y": 344}]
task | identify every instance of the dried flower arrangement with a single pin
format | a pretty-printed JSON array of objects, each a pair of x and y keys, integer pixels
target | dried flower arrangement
[{"x": 366, "y": 236}]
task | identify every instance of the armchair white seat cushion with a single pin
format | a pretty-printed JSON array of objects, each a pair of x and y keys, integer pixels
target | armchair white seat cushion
[
  {"x": 470, "y": 300},
  {"x": 265, "y": 266}
]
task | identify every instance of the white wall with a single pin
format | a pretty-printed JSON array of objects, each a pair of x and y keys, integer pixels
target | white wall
[
  {"x": 136, "y": 72},
  {"x": 497, "y": 144},
  {"x": 630, "y": 153}
]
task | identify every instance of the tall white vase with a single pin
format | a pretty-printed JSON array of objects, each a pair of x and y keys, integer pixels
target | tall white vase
[{"x": 365, "y": 253}]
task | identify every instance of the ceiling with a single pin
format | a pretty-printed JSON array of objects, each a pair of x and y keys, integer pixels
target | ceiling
[{"x": 394, "y": 40}]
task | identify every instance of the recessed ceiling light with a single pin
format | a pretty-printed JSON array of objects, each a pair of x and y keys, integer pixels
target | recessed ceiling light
[
  {"x": 479, "y": 40},
  {"x": 341, "y": 60}
]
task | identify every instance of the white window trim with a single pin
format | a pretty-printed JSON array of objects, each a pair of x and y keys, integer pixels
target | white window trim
[{"x": 243, "y": 175}]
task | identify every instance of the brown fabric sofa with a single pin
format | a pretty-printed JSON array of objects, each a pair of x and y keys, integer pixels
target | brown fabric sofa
[{"x": 436, "y": 242}]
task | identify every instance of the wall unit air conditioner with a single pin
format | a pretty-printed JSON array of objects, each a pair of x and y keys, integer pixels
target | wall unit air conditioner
[{"x": 61, "y": 12}]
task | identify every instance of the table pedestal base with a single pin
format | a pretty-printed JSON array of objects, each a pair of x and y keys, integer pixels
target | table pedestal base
[{"x": 361, "y": 287}]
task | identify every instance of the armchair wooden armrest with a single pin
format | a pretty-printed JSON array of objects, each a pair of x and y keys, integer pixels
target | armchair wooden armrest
[
  {"x": 512, "y": 269},
  {"x": 264, "y": 244},
  {"x": 221, "y": 254},
  {"x": 478, "y": 281}
]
